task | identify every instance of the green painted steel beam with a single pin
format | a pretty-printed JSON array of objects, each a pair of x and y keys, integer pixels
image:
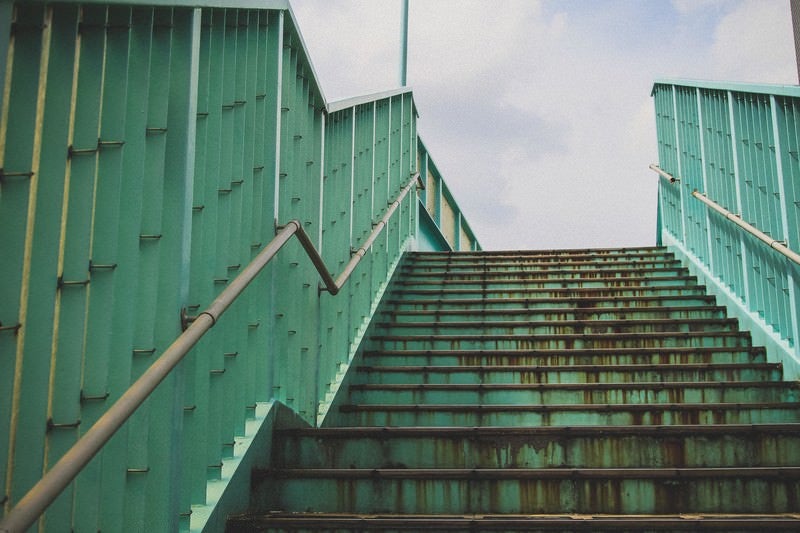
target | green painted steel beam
[{"x": 755, "y": 88}]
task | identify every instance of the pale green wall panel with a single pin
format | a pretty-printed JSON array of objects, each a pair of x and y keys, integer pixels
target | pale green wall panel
[
  {"x": 737, "y": 144},
  {"x": 169, "y": 143}
]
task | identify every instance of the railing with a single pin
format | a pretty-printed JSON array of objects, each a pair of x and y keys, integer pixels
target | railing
[
  {"x": 147, "y": 153},
  {"x": 442, "y": 223},
  {"x": 34, "y": 503},
  {"x": 739, "y": 145}
]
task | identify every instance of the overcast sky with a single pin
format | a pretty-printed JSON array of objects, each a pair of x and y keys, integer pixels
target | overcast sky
[{"x": 538, "y": 113}]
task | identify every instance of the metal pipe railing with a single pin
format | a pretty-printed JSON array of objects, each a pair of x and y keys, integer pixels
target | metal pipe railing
[
  {"x": 773, "y": 243},
  {"x": 658, "y": 170},
  {"x": 47, "y": 489}
]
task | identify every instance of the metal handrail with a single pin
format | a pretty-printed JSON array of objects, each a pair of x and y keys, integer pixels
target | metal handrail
[
  {"x": 664, "y": 174},
  {"x": 779, "y": 246},
  {"x": 48, "y": 488}
]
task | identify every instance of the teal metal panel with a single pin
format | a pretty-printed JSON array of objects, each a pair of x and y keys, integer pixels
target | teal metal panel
[
  {"x": 163, "y": 146},
  {"x": 101, "y": 360},
  {"x": 753, "y": 88},
  {"x": 145, "y": 425},
  {"x": 80, "y": 182},
  {"x": 430, "y": 238},
  {"x": 251, "y": 198},
  {"x": 179, "y": 168},
  {"x": 126, "y": 282},
  {"x": 6, "y": 13},
  {"x": 436, "y": 198},
  {"x": 27, "y": 163},
  {"x": 741, "y": 163},
  {"x": 196, "y": 408}
]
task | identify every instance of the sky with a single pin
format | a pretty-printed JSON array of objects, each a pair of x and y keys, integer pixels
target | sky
[{"x": 538, "y": 113}]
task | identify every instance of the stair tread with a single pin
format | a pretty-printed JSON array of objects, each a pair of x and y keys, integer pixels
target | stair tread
[
  {"x": 544, "y": 259},
  {"x": 667, "y": 406},
  {"x": 626, "y": 350},
  {"x": 470, "y": 302},
  {"x": 561, "y": 323},
  {"x": 577, "y": 386},
  {"x": 614, "y": 282},
  {"x": 553, "y": 310},
  {"x": 595, "y": 292},
  {"x": 782, "y": 472},
  {"x": 558, "y": 336},
  {"x": 540, "y": 431},
  {"x": 557, "y": 368},
  {"x": 584, "y": 522},
  {"x": 547, "y": 270}
]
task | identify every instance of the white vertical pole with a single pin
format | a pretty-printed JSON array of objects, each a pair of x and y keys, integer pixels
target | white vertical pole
[{"x": 404, "y": 46}]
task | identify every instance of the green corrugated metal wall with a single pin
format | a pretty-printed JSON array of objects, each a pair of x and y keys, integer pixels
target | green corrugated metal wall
[
  {"x": 739, "y": 145},
  {"x": 148, "y": 154}
]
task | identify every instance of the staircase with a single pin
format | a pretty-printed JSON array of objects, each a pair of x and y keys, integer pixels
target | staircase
[{"x": 546, "y": 391}]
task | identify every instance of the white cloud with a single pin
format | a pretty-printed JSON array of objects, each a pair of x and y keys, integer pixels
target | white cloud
[
  {"x": 689, "y": 7},
  {"x": 539, "y": 114},
  {"x": 750, "y": 43}
]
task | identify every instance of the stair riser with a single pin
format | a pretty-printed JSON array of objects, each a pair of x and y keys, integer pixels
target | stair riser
[
  {"x": 433, "y": 302},
  {"x": 479, "y": 314},
  {"x": 553, "y": 343},
  {"x": 527, "y": 262},
  {"x": 590, "y": 294},
  {"x": 580, "y": 328},
  {"x": 312, "y": 522},
  {"x": 519, "y": 284},
  {"x": 594, "y": 417},
  {"x": 595, "y": 451},
  {"x": 601, "y": 375},
  {"x": 535, "y": 496},
  {"x": 545, "y": 359},
  {"x": 533, "y": 397},
  {"x": 479, "y": 273}
]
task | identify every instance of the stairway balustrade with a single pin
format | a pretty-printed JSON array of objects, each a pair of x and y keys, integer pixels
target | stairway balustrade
[
  {"x": 148, "y": 152},
  {"x": 737, "y": 146}
]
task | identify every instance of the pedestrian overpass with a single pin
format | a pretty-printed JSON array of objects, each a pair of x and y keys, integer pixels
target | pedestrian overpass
[{"x": 207, "y": 267}]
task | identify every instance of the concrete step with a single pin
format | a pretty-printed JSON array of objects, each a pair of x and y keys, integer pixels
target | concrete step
[
  {"x": 540, "y": 447},
  {"x": 535, "y": 523},
  {"x": 588, "y": 356},
  {"x": 638, "y": 392},
  {"x": 470, "y": 415},
  {"x": 523, "y": 490},
  {"x": 592, "y": 373}
]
